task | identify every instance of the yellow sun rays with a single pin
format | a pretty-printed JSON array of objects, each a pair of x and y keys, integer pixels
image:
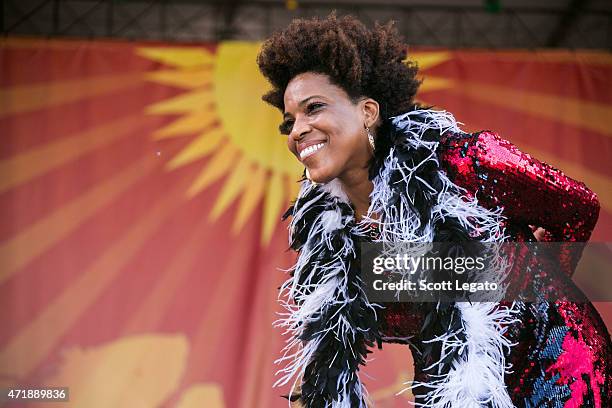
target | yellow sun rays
[
  {"x": 221, "y": 112},
  {"x": 227, "y": 124},
  {"x": 179, "y": 57},
  {"x": 37, "y": 238},
  {"x": 24, "y": 167},
  {"x": 219, "y": 165},
  {"x": 186, "y": 80},
  {"x": 25, "y": 351},
  {"x": 190, "y": 123},
  {"x": 231, "y": 190},
  {"x": 28, "y": 98},
  {"x": 564, "y": 109},
  {"x": 426, "y": 60},
  {"x": 201, "y": 147},
  {"x": 183, "y": 103}
]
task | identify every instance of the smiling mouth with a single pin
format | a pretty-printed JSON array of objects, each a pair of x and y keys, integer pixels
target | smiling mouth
[{"x": 310, "y": 150}]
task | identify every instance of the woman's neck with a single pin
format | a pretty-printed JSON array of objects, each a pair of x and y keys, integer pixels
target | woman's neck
[{"x": 358, "y": 187}]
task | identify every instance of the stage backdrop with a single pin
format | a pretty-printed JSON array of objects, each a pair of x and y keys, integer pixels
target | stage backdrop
[{"x": 141, "y": 188}]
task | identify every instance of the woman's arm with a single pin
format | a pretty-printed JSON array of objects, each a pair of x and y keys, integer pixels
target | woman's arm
[{"x": 529, "y": 191}]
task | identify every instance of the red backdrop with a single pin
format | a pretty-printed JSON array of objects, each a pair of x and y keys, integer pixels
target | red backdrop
[{"x": 141, "y": 187}]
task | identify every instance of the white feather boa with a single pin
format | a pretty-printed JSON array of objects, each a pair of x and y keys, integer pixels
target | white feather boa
[{"x": 476, "y": 379}]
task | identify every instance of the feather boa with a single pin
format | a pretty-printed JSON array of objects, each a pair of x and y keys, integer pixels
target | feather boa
[{"x": 329, "y": 319}]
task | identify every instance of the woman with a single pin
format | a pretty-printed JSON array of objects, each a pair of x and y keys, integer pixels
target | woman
[{"x": 377, "y": 167}]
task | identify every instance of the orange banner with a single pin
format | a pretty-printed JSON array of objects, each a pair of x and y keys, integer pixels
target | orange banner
[{"x": 141, "y": 189}]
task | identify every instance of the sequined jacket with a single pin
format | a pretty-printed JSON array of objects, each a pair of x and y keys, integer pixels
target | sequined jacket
[{"x": 564, "y": 355}]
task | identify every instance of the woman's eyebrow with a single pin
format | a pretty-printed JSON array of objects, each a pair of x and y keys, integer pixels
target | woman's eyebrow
[
  {"x": 301, "y": 103},
  {"x": 309, "y": 98}
]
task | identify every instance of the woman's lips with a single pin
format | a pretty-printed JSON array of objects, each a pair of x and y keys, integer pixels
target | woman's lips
[{"x": 311, "y": 149}]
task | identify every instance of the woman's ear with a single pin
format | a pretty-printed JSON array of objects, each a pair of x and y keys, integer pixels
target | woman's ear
[{"x": 371, "y": 112}]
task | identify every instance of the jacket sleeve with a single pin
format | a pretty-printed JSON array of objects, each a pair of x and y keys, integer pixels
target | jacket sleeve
[{"x": 529, "y": 191}]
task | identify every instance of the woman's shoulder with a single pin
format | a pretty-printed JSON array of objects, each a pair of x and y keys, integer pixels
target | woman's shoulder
[
  {"x": 483, "y": 148},
  {"x": 530, "y": 191},
  {"x": 461, "y": 156}
]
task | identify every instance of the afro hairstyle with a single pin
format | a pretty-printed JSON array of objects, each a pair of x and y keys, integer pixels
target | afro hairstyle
[{"x": 363, "y": 62}]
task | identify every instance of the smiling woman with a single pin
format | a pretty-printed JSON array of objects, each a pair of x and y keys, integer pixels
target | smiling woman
[
  {"x": 379, "y": 167},
  {"x": 328, "y": 133}
]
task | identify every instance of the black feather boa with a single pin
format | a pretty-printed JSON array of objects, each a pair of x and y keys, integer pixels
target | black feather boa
[
  {"x": 333, "y": 356},
  {"x": 331, "y": 321}
]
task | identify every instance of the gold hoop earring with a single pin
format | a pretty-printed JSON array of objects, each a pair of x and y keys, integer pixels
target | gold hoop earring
[{"x": 370, "y": 138}]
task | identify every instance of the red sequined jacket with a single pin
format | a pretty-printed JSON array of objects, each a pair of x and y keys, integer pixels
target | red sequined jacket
[{"x": 530, "y": 193}]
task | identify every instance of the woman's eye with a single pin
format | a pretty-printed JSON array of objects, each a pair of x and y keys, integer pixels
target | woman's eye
[
  {"x": 286, "y": 127},
  {"x": 314, "y": 106}
]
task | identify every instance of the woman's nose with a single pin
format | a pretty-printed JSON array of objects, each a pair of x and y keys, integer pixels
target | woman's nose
[{"x": 300, "y": 128}]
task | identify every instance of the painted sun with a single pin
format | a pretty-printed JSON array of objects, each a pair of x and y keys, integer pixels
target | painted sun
[{"x": 233, "y": 133}]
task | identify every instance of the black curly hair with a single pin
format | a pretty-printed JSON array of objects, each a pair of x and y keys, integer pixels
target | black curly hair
[{"x": 361, "y": 61}]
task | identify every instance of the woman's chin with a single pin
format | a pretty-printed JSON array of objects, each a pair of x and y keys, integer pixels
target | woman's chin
[{"x": 320, "y": 176}]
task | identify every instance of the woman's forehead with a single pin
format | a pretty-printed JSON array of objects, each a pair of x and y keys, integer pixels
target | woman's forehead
[{"x": 309, "y": 84}]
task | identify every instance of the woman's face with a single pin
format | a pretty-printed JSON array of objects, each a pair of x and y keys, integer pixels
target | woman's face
[{"x": 325, "y": 128}]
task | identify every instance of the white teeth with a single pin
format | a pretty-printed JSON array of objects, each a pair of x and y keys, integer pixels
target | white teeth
[{"x": 310, "y": 150}]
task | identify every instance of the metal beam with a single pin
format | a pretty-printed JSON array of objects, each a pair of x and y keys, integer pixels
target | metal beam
[
  {"x": 566, "y": 21},
  {"x": 422, "y": 24}
]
